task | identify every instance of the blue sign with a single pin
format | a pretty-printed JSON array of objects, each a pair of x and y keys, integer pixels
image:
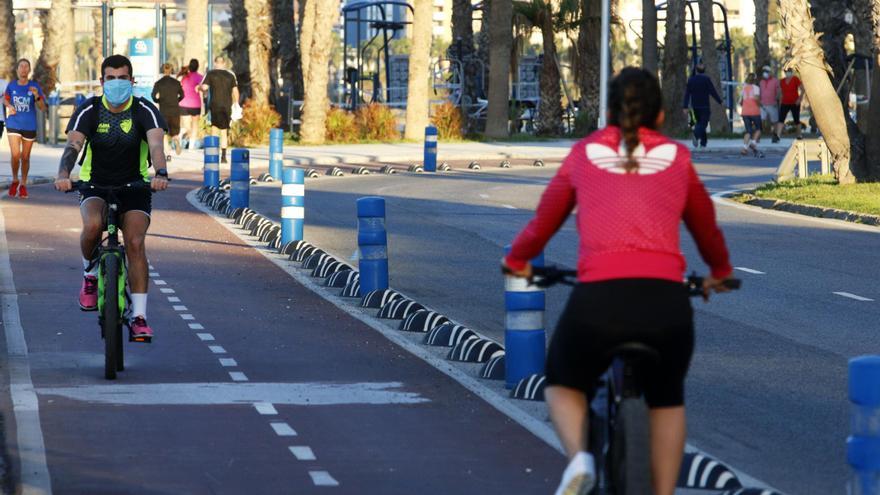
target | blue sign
[{"x": 145, "y": 64}]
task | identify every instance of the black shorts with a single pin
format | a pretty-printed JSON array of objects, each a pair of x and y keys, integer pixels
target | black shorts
[
  {"x": 25, "y": 135},
  {"x": 133, "y": 200},
  {"x": 173, "y": 121},
  {"x": 795, "y": 112},
  {"x": 752, "y": 123},
  {"x": 220, "y": 117},
  {"x": 192, "y": 112},
  {"x": 600, "y": 316}
]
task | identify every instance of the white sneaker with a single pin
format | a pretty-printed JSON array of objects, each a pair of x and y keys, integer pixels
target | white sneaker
[{"x": 579, "y": 475}]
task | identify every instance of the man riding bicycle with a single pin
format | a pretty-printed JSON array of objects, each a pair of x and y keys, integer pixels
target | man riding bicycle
[{"x": 123, "y": 135}]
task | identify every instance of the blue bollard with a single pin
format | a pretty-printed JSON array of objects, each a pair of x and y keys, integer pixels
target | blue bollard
[
  {"x": 372, "y": 244},
  {"x": 863, "y": 445},
  {"x": 524, "y": 335},
  {"x": 276, "y": 152},
  {"x": 212, "y": 161},
  {"x": 240, "y": 179},
  {"x": 293, "y": 203},
  {"x": 79, "y": 99},
  {"x": 430, "y": 149}
]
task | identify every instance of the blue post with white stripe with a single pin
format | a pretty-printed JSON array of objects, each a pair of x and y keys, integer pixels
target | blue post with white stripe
[
  {"x": 372, "y": 244},
  {"x": 293, "y": 203},
  {"x": 212, "y": 161},
  {"x": 430, "y": 149},
  {"x": 524, "y": 335},
  {"x": 240, "y": 179},
  {"x": 276, "y": 152},
  {"x": 863, "y": 445}
]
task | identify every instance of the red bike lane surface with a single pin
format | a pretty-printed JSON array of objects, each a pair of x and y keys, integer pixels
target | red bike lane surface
[{"x": 253, "y": 384}]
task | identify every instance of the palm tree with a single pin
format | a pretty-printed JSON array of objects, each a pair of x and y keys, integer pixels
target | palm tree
[
  {"x": 709, "y": 52},
  {"x": 873, "y": 117},
  {"x": 417, "y": 99},
  {"x": 7, "y": 39},
  {"x": 649, "y": 36},
  {"x": 540, "y": 14},
  {"x": 96, "y": 51},
  {"x": 259, "y": 27},
  {"x": 589, "y": 53},
  {"x": 237, "y": 49},
  {"x": 284, "y": 59},
  {"x": 462, "y": 49},
  {"x": 305, "y": 35},
  {"x": 316, "y": 101},
  {"x": 675, "y": 62},
  {"x": 809, "y": 62},
  {"x": 863, "y": 36},
  {"x": 57, "y": 56},
  {"x": 196, "y": 31},
  {"x": 762, "y": 36},
  {"x": 500, "y": 20}
]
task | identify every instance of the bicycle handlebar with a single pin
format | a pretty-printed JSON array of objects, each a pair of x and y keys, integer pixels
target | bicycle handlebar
[{"x": 82, "y": 186}]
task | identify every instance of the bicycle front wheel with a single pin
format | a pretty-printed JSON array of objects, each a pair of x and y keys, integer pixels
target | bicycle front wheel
[
  {"x": 110, "y": 316},
  {"x": 631, "y": 449}
]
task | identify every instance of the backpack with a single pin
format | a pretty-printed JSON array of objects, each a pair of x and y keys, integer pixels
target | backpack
[{"x": 96, "y": 101}]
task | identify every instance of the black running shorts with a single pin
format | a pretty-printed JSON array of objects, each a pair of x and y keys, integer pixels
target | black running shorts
[
  {"x": 602, "y": 315},
  {"x": 130, "y": 200}
]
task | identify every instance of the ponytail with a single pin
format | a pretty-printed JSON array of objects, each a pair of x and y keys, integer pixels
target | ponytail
[
  {"x": 630, "y": 121},
  {"x": 634, "y": 101}
]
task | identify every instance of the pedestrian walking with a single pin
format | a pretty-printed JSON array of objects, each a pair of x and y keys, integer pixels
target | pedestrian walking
[
  {"x": 751, "y": 115},
  {"x": 792, "y": 95},
  {"x": 769, "y": 86},
  {"x": 21, "y": 98},
  {"x": 191, "y": 104},
  {"x": 3, "y": 84},
  {"x": 696, "y": 95},
  {"x": 223, "y": 89},
  {"x": 168, "y": 92}
]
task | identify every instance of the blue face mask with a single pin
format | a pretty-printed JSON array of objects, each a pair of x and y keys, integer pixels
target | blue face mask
[{"x": 117, "y": 91}]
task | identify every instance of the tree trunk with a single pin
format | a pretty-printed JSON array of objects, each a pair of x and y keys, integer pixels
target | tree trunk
[
  {"x": 549, "y": 121},
  {"x": 196, "y": 36},
  {"x": 259, "y": 26},
  {"x": 296, "y": 58},
  {"x": 305, "y": 36},
  {"x": 589, "y": 39},
  {"x": 420, "y": 53},
  {"x": 863, "y": 36},
  {"x": 675, "y": 63},
  {"x": 873, "y": 138},
  {"x": 808, "y": 60},
  {"x": 709, "y": 49},
  {"x": 316, "y": 101},
  {"x": 284, "y": 48},
  {"x": 649, "y": 36},
  {"x": 57, "y": 54},
  {"x": 462, "y": 49},
  {"x": 483, "y": 38},
  {"x": 237, "y": 49},
  {"x": 762, "y": 36},
  {"x": 8, "y": 52},
  {"x": 500, "y": 44},
  {"x": 96, "y": 52}
]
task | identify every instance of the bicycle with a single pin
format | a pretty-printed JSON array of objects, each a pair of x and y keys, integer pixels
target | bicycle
[
  {"x": 114, "y": 299},
  {"x": 618, "y": 428}
]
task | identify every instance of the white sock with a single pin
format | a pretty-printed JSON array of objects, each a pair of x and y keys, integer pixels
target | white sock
[
  {"x": 139, "y": 305},
  {"x": 93, "y": 272}
]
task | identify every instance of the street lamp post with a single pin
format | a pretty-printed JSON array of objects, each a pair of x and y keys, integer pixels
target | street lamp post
[{"x": 604, "y": 63}]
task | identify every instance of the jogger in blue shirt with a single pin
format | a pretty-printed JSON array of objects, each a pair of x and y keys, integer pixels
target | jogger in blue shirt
[{"x": 21, "y": 99}]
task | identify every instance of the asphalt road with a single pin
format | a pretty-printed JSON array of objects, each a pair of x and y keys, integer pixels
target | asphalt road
[
  {"x": 253, "y": 384},
  {"x": 767, "y": 390}
]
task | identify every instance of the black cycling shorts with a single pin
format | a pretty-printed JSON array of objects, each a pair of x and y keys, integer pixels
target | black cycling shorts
[
  {"x": 220, "y": 117},
  {"x": 131, "y": 200},
  {"x": 795, "y": 111},
  {"x": 602, "y": 315},
  {"x": 190, "y": 112},
  {"x": 24, "y": 135}
]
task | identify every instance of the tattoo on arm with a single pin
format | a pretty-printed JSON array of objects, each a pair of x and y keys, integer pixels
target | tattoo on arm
[{"x": 68, "y": 158}]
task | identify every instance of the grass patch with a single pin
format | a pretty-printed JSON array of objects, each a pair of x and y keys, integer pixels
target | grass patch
[{"x": 822, "y": 190}]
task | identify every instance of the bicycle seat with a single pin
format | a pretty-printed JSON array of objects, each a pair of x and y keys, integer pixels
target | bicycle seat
[{"x": 635, "y": 351}]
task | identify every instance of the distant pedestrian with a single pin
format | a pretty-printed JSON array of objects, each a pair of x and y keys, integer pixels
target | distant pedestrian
[
  {"x": 21, "y": 98},
  {"x": 191, "y": 104},
  {"x": 169, "y": 93},
  {"x": 699, "y": 89},
  {"x": 751, "y": 115},
  {"x": 792, "y": 95},
  {"x": 3, "y": 84},
  {"x": 223, "y": 89},
  {"x": 770, "y": 99}
]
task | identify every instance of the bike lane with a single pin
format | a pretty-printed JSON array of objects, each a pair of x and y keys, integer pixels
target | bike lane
[{"x": 253, "y": 383}]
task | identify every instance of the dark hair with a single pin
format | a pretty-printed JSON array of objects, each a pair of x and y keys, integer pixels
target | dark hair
[
  {"x": 23, "y": 60},
  {"x": 700, "y": 68},
  {"x": 634, "y": 101},
  {"x": 193, "y": 65},
  {"x": 750, "y": 79},
  {"x": 116, "y": 62}
]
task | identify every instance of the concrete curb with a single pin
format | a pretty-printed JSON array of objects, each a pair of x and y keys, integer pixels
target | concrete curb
[{"x": 807, "y": 210}]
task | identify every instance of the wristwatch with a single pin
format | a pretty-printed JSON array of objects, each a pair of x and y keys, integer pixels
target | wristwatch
[{"x": 162, "y": 172}]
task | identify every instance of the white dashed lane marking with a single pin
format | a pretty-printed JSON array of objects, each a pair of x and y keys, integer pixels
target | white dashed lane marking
[
  {"x": 238, "y": 376},
  {"x": 159, "y": 282},
  {"x": 853, "y": 296},
  {"x": 196, "y": 326},
  {"x": 153, "y": 274},
  {"x": 323, "y": 478},
  {"x": 166, "y": 290},
  {"x": 178, "y": 307},
  {"x": 509, "y": 207},
  {"x": 302, "y": 453},
  {"x": 173, "y": 299},
  {"x": 216, "y": 349},
  {"x": 205, "y": 336},
  {"x": 749, "y": 270},
  {"x": 265, "y": 409},
  {"x": 228, "y": 362},
  {"x": 188, "y": 317},
  {"x": 283, "y": 429}
]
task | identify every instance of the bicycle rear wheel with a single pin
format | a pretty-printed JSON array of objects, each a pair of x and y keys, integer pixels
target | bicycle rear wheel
[
  {"x": 110, "y": 316},
  {"x": 631, "y": 449}
]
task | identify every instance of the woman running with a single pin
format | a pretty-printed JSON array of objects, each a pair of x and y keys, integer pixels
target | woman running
[
  {"x": 751, "y": 115},
  {"x": 22, "y": 98},
  {"x": 191, "y": 104}
]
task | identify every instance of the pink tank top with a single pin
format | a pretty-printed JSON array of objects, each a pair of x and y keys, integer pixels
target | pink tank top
[
  {"x": 191, "y": 97},
  {"x": 750, "y": 106}
]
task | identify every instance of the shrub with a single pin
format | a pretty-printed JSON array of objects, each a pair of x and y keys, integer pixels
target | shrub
[
  {"x": 257, "y": 120},
  {"x": 447, "y": 119},
  {"x": 341, "y": 127},
  {"x": 377, "y": 123}
]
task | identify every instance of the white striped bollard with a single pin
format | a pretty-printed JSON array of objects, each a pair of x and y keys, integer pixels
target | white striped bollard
[
  {"x": 240, "y": 179},
  {"x": 430, "y": 149},
  {"x": 863, "y": 445},
  {"x": 293, "y": 204},
  {"x": 524, "y": 335},
  {"x": 276, "y": 152},
  {"x": 212, "y": 161},
  {"x": 372, "y": 244}
]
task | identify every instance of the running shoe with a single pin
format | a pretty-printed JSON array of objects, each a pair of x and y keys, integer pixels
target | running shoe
[
  {"x": 139, "y": 331},
  {"x": 579, "y": 476},
  {"x": 88, "y": 295},
  {"x": 695, "y": 141},
  {"x": 759, "y": 154},
  {"x": 22, "y": 192},
  {"x": 13, "y": 189},
  {"x": 775, "y": 138}
]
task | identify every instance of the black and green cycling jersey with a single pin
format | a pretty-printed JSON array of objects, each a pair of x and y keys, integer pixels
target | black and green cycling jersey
[{"x": 116, "y": 150}]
